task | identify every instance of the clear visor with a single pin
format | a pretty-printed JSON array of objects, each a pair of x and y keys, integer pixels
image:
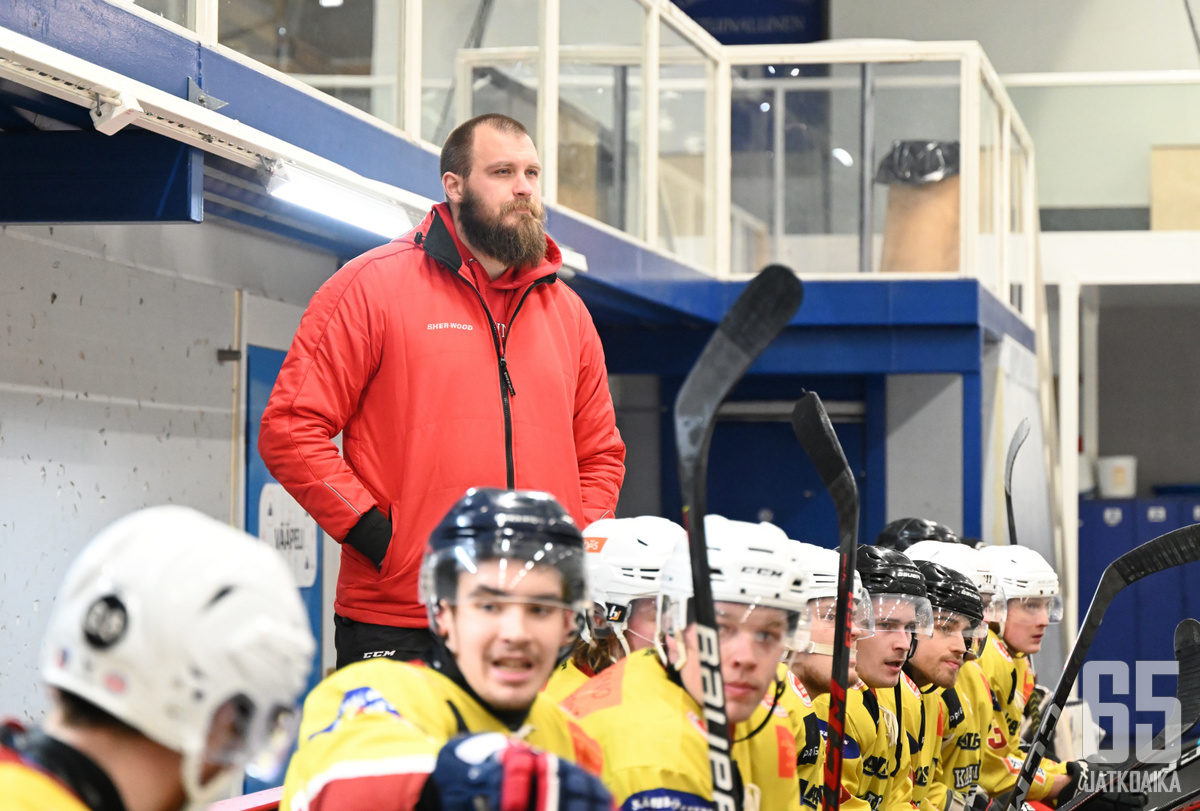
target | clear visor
[
  {"x": 995, "y": 606},
  {"x": 948, "y": 623},
  {"x": 1049, "y": 609},
  {"x": 822, "y": 613},
  {"x": 261, "y": 743},
  {"x": 518, "y": 568},
  {"x": 903, "y": 613},
  {"x": 767, "y": 630}
]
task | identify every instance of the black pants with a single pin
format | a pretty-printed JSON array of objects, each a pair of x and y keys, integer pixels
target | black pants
[{"x": 356, "y": 641}]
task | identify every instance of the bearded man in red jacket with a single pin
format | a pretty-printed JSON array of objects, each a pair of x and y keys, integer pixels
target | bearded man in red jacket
[{"x": 452, "y": 357}]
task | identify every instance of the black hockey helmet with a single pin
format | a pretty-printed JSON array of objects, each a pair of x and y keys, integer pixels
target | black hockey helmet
[
  {"x": 491, "y": 524},
  {"x": 887, "y": 571},
  {"x": 904, "y": 532},
  {"x": 897, "y": 590},
  {"x": 956, "y": 604},
  {"x": 951, "y": 590}
]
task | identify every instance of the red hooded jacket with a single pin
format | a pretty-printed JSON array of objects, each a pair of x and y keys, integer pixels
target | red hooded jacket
[{"x": 399, "y": 353}]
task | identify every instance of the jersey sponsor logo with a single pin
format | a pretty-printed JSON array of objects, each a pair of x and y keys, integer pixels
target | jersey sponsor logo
[
  {"x": 450, "y": 325},
  {"x": 1013, "y": 726},
  {"x": 969, "y": 741},
  {"x": 665, "y": 799},
  {"x": 850, "y": 747},
  {"x": 872, "y": 799},
  {"x": 358, "y": 702},
  {"x": 920, "y": 776},
  {"x": 810, "y": 795},
  {"x": 808, "y": 755},
  {"x": 875, "y": 766},
  {"x": 966, "y": 776}
]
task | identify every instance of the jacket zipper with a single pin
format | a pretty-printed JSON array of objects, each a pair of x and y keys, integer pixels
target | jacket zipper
[{"x": 506, "y": 385}]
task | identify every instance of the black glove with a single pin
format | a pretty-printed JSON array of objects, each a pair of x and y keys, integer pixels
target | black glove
[
  {"x": 372, "y": 536},
  {"x": 1079, "y": 771}
]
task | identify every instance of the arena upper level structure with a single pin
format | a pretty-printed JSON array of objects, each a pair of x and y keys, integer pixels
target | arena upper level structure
[{"x": 755, "y": 154}]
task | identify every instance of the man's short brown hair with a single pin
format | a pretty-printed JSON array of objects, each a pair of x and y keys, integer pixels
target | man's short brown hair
[{"x": 456, "y": 152}]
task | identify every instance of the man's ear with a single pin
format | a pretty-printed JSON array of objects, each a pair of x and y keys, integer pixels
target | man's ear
[
  {"x": 443, "y": 619},
  {"x": 453, "y": 186}
]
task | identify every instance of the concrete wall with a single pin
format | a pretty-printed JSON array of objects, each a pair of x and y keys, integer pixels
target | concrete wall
[
  {"x": 1149, "y": 387},
  {"x": 924, "y": 448},
  {"x": 111, "y": 396}
]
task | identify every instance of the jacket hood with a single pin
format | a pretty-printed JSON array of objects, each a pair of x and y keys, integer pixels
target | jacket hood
[{"x": 440, "y": 240}]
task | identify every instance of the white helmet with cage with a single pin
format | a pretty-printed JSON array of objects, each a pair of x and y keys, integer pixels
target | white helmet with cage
[
  {"x": 818, "y": 592},
  {"x": 625, "y": 558},
  {"x": 974, "y": 564},
  {"x": 750, "y": 564},
  {"x": 1026, "y": 576},
  {"x": 177, "y": 624}
]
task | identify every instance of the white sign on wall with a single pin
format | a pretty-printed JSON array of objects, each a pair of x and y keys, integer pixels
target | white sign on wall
[{"x": 284, "y": 524}]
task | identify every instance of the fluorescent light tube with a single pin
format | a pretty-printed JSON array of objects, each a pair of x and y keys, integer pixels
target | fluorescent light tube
[{"x": 300, "y": 187}]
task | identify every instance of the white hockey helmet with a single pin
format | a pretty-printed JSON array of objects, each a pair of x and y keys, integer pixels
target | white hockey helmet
[
  {"x": 1026, "y": 576},
  {"x": 819, "y": 591},
  {"x": 168, "y": 619},
  {"x": 625, "y": 558},
  {"x": 751, "y": 564},
  {"x": 974, "y": 564}
]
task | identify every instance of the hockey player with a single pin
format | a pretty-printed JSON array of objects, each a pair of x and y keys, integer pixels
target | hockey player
[
  {"x": 503, "y": 582},
  {"x": 935, "y": 665},
  {"x": 646, "y": 710},
  {"x": 175, "y": 654},
  {"x": 624, "y": 559},
  {"x": 806, "y": 699},
  {"x": 902, "y": 616},
  {"x": 1034, "y": 603},
  {"x": 968, "y": 707},
  {"x": 904, "y": 532}
]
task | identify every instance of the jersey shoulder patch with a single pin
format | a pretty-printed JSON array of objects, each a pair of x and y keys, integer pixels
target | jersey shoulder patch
[
  {"x": 356, "y": 703},
  {"x": 911, "y": 685},
  {"x": 597, "y": 693}
]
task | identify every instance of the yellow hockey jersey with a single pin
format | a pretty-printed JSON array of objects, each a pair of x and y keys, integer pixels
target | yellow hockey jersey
[
  {"x": 810, "y": 739},
  {"x": 371, "y": 733},
  {"x": 655, "y": 742},
  {"x": 920, "y": 716},
  {"x": 968, "y": 709},
  {"x": 870, "y": 754},
  {"x": 564, "y": 680},
  {"x": 1011, "y": 679},
  {"x": 26, "y": 786}
]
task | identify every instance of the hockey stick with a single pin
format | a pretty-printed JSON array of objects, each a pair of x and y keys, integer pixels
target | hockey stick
[
  {"x": 1164, "y": 552},
  {"x": 812, "y": 427},
  {"x": 759, "y": 314},
  {"x": 1018, "y": 439},
  {"x": 1187, "y": 691}
]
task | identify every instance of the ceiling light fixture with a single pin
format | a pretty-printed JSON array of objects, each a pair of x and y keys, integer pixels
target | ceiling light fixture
[{"x": 386, "y": 217}]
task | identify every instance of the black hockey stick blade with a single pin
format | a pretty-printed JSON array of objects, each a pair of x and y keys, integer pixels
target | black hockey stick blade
[
  {"x": 815, "y": 432},
  {"x": 755, "y": 319},
  {"x": 1018, "y": 439},
  {"x": 1187, "y": 692},
  {"x": 1164, "y": 552}
]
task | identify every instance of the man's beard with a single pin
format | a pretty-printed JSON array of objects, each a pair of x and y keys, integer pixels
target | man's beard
[{"x": 517, "y": 246}]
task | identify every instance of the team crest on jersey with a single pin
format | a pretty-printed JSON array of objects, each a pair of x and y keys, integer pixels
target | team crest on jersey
[
  {"x": 697, "y": 723},
  {"x": 798, "y": 688},
  {"x": 357, "y": 702}
]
